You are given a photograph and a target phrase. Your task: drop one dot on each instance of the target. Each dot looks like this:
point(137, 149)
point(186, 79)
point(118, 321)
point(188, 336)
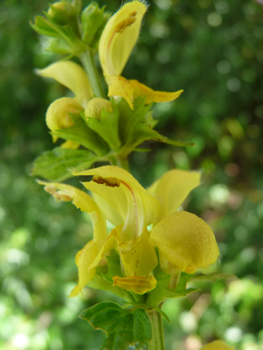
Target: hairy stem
point(87, 60)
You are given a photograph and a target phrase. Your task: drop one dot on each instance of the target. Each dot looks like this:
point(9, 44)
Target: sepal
point(99, 282)
point(114, 266)
point(129, 118)
point(93, 20)
point(65, 33)
point(106, 126)
point(59, 46)
point(163, 290)
point(63, 13)
point(144, 132)
point(82, 134)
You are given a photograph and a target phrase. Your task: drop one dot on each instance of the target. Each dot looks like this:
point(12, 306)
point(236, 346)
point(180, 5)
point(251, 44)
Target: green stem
point(157, 341)
point(87, 59)
point(123, 163)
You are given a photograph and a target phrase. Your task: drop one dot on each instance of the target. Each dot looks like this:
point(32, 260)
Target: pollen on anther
point(126, 23)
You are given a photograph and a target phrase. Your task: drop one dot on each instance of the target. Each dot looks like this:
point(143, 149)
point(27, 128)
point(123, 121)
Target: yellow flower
point(116, 43)
point(72, 76)
point(185, 241)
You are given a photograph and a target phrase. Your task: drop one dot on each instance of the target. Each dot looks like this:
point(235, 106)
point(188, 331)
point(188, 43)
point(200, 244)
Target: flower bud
point(58, 117)
point(93, 20)
point(96, 106)
point(61, 13)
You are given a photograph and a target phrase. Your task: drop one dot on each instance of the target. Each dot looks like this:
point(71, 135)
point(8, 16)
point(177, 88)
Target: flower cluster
point(67, 117)
point(152, 241)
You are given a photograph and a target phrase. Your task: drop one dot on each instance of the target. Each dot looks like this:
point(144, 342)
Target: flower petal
point(186, 241)
point(119, 37)
point(217, 345)
point(151, 95)
point(72, 76)
point(123, 192)
point(119, 86)
point(84, 258)
point(57, 116)
point(109, 244)
point(172, 189)
point(136, 284)
point(109, 212)
point(138, 256)
point(83, 201)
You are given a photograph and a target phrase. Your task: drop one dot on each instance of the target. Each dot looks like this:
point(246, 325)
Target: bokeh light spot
point(223, 67)
point(219, 194)
point(234, 84)
point(20, 341)
point(222, 6)
point(188, 321)
point(259, 111)
point(214, 19)
point(41, 244)
point(253, 131)
point(163, 4)
point(233, 334)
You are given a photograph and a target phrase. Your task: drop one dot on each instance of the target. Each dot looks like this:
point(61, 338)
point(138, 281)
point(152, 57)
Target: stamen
point(62, 196)
point(109, 181)
point(50, 189)
point(59, 195)
point(126, 23)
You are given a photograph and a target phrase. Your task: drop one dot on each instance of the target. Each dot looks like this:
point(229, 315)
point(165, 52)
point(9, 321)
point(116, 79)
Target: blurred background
point(213, 49)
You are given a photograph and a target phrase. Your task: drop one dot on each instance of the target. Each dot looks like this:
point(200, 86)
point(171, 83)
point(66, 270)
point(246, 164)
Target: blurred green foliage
point(214, 51)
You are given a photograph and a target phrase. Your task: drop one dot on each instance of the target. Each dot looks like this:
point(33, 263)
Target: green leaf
point(211, 277)
point(103, 316)
point(162, 290)
point(107, 127)
point(54, 165)
point(142, 325)
point(83, 135)
point(124, 327)
point(144, 132)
